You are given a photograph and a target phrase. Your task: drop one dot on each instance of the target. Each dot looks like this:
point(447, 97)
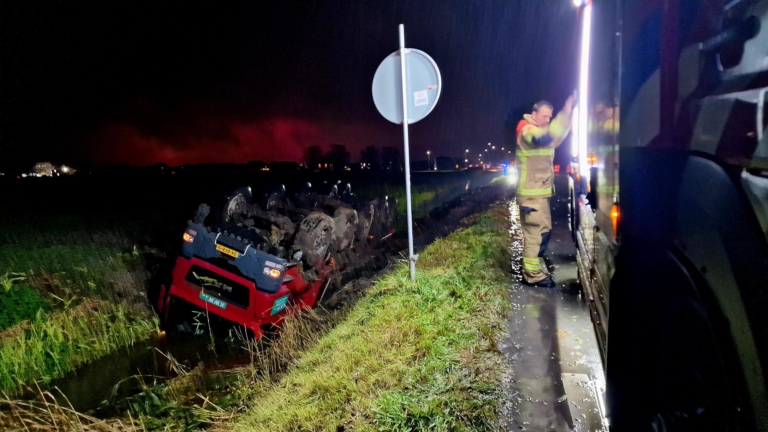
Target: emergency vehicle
point(669, 208)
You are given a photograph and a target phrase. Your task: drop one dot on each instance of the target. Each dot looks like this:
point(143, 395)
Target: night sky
point(142, 82)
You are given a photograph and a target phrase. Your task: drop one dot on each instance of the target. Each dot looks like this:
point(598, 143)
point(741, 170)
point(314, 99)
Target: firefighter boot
point(547, 282)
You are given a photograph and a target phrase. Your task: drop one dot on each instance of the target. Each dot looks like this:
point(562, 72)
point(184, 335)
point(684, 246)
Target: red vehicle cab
point(225, 276)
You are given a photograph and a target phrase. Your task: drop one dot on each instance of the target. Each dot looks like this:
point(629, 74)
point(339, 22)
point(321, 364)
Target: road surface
point(554, 380)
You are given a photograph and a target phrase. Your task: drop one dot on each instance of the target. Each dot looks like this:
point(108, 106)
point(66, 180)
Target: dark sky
point(142, 82)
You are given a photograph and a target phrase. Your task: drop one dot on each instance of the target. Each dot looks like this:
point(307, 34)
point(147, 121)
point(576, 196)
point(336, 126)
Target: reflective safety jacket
point(536, 152)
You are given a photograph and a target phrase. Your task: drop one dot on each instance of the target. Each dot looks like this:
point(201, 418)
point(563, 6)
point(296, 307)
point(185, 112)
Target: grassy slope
point(409, 356)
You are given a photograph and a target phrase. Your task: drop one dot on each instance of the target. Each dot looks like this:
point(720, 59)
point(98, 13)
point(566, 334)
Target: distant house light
point(43, 169)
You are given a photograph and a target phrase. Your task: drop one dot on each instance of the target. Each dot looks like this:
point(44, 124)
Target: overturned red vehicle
point(261, 259)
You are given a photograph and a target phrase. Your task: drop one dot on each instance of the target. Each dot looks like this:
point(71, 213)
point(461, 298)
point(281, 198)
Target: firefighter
point(538, 135)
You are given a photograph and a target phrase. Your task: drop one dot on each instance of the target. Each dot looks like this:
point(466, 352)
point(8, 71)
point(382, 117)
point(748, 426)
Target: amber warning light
point(615, 217)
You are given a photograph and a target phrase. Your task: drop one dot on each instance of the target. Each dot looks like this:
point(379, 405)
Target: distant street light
point(493, 148)
point(428, 165)
point(466, 158)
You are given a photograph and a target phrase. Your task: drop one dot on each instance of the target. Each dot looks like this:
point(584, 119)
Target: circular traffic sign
point(423, 86)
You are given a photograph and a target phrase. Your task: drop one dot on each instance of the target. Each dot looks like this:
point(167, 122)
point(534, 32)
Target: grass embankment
point(408, 356)
point(70, 293)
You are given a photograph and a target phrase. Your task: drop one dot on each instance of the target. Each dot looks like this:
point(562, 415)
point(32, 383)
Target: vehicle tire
point(668, 366)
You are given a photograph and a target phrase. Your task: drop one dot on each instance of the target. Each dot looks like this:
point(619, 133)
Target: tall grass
point(408, 356)
point(48, 415)
point(89, 263)
point(56, 343)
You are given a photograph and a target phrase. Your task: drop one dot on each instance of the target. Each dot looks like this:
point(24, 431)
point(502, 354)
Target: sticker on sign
point(421, 98)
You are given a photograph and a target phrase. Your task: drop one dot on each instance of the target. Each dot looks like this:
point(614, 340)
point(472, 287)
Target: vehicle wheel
point(668, 368)
point(692, 390)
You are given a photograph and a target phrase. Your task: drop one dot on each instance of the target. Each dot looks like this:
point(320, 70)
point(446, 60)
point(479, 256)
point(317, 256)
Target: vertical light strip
point(575, 132)
point(583, 107)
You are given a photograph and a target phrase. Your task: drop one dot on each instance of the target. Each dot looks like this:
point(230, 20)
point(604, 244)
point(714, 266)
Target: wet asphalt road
point(554, 371)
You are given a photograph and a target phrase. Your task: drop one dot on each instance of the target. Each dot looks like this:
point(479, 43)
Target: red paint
point(259, 310)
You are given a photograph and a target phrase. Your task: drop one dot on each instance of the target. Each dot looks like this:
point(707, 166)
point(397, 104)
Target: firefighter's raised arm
point(541, 132)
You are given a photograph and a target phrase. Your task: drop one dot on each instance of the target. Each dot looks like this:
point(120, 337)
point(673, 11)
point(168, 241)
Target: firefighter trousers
point(536, 221)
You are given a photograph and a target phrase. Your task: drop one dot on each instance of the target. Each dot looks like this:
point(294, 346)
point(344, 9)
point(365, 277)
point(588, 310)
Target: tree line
point(339, 156)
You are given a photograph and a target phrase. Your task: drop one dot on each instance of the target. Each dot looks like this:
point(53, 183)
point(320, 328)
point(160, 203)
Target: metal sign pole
point(422, 78)
point(411, 257)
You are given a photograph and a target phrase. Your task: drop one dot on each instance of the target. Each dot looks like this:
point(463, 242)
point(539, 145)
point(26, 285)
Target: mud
point(441, 221)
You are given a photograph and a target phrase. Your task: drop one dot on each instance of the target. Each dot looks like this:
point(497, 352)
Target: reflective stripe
point(521, 189)
point(522, 155)
point(536, 152)
point(531, 264)
point(535, 192)
point(608, 189)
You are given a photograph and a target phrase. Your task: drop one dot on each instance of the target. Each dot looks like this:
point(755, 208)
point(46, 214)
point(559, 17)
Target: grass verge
point(408, 356)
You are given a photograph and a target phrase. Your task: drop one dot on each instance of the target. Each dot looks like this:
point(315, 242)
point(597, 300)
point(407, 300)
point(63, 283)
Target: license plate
point(213, 300)
point(227, 251)
point(279, 305)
